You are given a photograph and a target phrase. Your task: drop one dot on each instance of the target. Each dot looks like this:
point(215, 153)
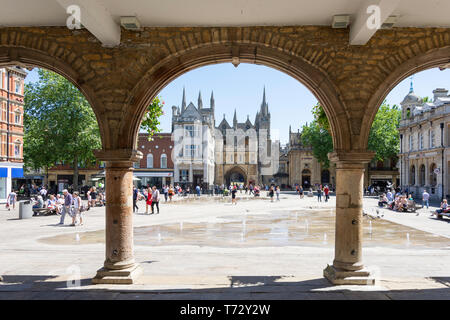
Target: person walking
point(271, 193)
point(135, 198)
point(11, 200)
point(277, 191)
point(425, 199)
point(197, 189)
point(319, 193)
point(76, 209)
point(300, 192)
point(166, 192)
point(155, 199)
point(326, 191)
point(171, 193)
point(233, 195)
point(93, 195)
point(43, 193)
point(68, 200)
point(148, 199)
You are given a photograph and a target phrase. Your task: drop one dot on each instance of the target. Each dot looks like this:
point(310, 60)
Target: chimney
point(439, 93)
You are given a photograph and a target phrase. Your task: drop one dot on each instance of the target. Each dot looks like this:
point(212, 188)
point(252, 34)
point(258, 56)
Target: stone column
point(119, 266)
point(347, 266)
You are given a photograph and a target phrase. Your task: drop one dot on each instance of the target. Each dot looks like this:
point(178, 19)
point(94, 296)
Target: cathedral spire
point(200, 102)
point(183, 102)
point(411, 89)
point(235, 119)
point(212, 100)
point(264, 105)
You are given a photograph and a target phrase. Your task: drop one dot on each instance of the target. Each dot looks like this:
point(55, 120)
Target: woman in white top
point(76, 208)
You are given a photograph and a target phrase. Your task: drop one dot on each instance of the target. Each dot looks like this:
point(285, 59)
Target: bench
point(43, 211)
point(441, 215)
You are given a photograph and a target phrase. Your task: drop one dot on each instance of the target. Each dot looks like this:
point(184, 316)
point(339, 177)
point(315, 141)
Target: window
point(190, 131)
point(190, 150)
point(17, 149)
point(150, 161)
point(411, 143)
point(1, 79)
point(17, 117)
point(163, 161)
point(422, 175)
point(412, 176)
point(183, 175)
point(433, 175)
point(17, 86)
point(421, 140)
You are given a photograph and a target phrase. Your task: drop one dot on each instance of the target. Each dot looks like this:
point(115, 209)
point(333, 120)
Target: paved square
point(210, 249)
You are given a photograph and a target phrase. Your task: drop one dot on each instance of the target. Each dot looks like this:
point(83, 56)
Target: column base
point(344, 277)
point(124, 276)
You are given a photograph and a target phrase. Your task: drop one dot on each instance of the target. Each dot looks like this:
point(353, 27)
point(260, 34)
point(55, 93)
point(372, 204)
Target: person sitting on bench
point(383, 200)
point(444, 208)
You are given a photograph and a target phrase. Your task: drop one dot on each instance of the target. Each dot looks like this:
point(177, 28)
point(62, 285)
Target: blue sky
point(289, 101)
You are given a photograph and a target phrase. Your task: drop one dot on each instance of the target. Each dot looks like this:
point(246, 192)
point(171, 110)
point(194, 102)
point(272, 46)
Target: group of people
point(397, 202)
point(151, 196)
point(320, 190)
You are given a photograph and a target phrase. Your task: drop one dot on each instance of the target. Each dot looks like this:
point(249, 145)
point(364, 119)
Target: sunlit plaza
point(207, 248)
point(224, 150)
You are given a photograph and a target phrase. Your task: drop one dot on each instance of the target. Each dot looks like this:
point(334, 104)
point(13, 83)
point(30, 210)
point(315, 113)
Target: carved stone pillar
point(347, 266)
point(120, 266)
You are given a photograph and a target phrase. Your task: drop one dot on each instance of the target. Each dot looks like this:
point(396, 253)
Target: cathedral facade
point(236, 153)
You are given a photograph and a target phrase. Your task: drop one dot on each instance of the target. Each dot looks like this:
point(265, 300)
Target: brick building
point(11, 127)
point(156, 165)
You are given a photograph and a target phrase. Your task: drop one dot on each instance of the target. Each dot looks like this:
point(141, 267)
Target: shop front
point(143, 179)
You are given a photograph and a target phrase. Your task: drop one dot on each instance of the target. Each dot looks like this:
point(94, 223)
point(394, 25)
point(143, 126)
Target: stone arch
point(236, 169)
point(11, 55)
point(430, 59)
point(313, 77)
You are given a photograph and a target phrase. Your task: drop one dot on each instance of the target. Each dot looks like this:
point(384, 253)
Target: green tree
point(150, 122)
point(383, 136)
point(319, 139)
point(59, 125)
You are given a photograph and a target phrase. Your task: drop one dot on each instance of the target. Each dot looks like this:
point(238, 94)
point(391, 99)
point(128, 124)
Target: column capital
point(118, 155)
point(351, 157)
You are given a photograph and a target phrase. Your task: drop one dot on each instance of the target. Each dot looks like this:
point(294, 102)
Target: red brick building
point(156, 166)
point(11, 127)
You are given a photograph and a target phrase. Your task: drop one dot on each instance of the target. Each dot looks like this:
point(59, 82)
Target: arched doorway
point(306, 179)
point(235, 176)
point(412, 176)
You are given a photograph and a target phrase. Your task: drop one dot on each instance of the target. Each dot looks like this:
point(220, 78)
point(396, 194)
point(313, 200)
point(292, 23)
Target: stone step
point(354, 281)
point(113, 280)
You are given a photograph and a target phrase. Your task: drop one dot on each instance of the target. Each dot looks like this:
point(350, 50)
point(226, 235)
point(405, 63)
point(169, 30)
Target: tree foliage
point(383, 137)
point(59, 124)
point(319, 139)
point(150, 123)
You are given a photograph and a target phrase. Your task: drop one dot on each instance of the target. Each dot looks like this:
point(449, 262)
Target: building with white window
point(424, 151)
point(207, 155)
point(11, 127)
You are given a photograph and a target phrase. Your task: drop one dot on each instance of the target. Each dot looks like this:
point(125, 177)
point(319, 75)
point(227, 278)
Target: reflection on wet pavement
point(312, 228)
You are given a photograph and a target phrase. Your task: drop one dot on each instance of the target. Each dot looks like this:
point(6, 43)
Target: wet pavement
point(278, 228)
